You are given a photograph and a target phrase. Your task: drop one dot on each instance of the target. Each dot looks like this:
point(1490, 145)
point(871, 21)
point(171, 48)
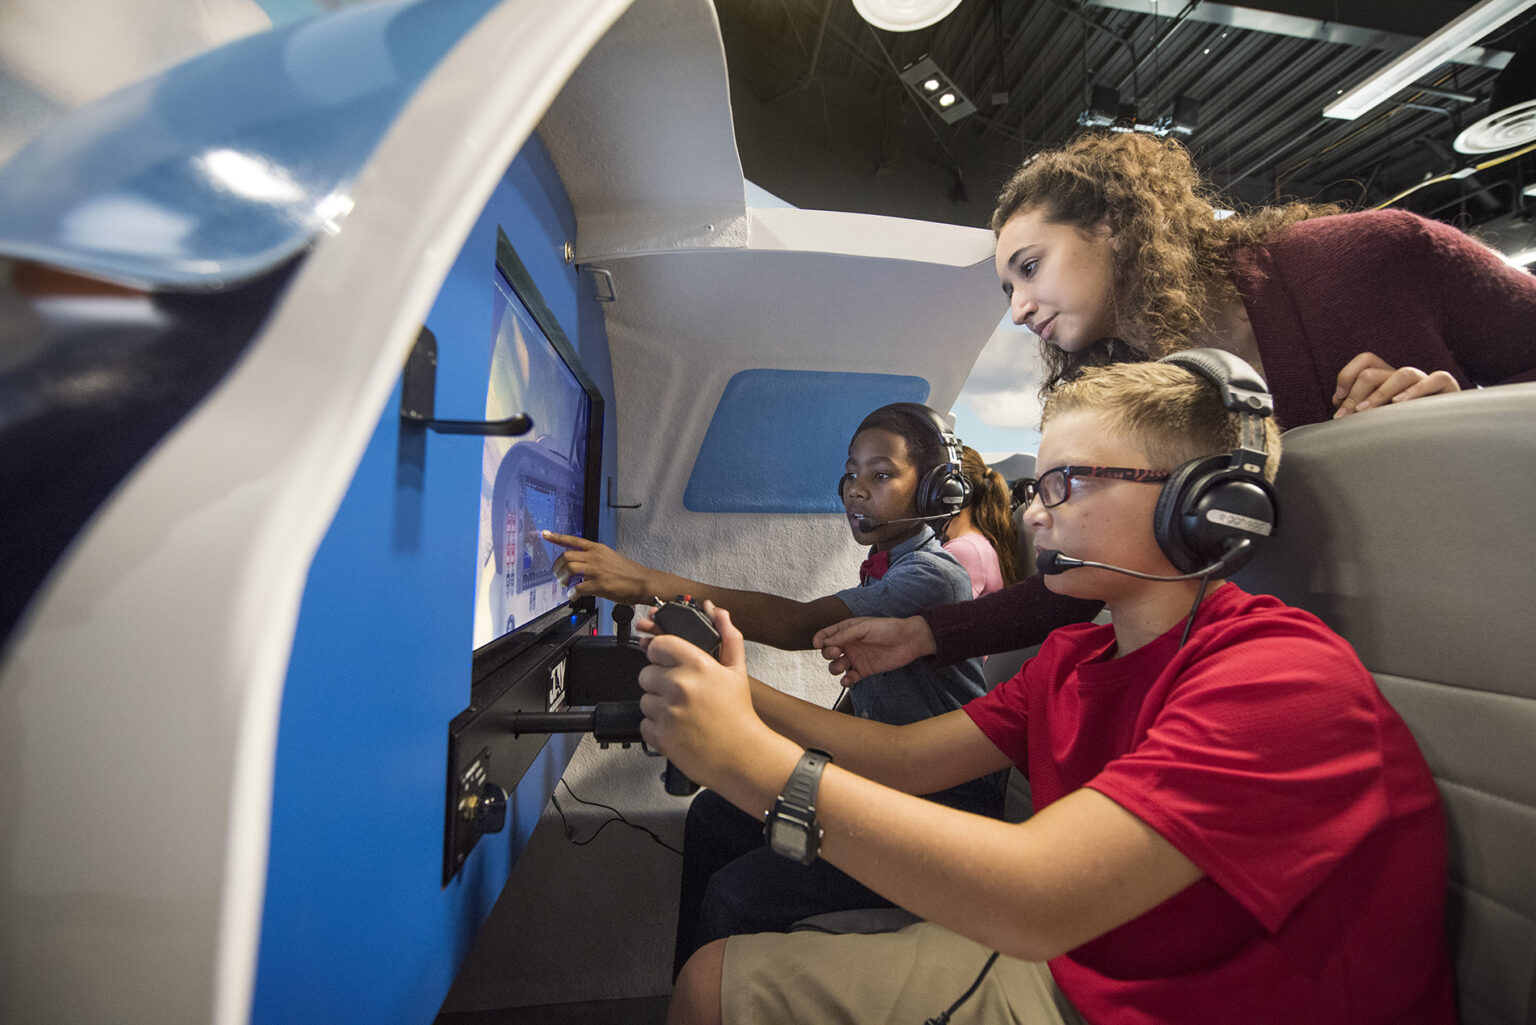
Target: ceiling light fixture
point(938, 91)
point(1434, 50)
point(1105, 110)
point(904, 15)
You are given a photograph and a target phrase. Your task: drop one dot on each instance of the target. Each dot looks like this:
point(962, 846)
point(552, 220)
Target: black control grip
point(683, 617)
point(676, 783)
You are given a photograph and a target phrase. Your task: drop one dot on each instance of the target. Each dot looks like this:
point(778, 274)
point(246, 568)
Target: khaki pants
point(903, 977)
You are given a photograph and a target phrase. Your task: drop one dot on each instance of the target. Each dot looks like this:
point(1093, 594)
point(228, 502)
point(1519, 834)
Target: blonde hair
point(991, 511)
point(1172, 414)
point(1173, 261)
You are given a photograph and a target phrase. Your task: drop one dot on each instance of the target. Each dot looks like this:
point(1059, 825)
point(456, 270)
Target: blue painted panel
point(779, 438)
point(357, 926)
point(225, 166)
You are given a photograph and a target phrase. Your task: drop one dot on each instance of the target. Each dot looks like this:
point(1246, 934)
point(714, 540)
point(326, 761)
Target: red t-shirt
point(1265, 753)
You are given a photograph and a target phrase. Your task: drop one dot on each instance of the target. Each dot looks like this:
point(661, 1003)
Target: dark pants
point(733, 883)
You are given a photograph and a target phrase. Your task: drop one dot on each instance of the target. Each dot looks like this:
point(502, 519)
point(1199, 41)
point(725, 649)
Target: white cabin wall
point(596, 922)
point(683, 324)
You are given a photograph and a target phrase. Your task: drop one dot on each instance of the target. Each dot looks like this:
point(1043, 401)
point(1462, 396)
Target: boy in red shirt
point(1232, 824)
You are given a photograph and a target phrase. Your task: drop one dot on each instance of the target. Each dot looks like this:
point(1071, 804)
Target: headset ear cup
point(1205, 507)
point(956, 492)
point(943, 490)
point(1167, 518)
point(1234, 506)
point(1210, 504)
point(960, 486)
point(923, 498)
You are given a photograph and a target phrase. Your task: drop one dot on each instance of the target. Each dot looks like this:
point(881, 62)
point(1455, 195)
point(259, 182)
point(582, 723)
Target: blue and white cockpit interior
point(248, 607)
point(301, 340)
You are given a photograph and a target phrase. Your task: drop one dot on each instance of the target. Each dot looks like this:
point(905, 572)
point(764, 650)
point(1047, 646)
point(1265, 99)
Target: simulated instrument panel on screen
point(530, 483)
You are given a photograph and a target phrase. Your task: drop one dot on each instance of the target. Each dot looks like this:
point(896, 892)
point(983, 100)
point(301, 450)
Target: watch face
point(788, 839)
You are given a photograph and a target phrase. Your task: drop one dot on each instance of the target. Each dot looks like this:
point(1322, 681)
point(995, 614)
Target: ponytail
point(991, 512)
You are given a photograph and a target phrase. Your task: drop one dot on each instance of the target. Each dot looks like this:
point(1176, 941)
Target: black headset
point(942, 490)
point(1211, 504)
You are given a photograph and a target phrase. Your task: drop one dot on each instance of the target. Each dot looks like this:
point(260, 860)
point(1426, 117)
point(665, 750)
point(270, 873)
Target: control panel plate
point(481, 747)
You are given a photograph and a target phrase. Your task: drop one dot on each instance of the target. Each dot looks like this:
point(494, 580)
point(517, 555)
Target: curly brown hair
point(1173, 263)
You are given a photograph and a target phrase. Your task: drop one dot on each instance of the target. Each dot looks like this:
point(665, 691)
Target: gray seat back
point(1012, 469)
point(1018, 804)
point(1409, 530)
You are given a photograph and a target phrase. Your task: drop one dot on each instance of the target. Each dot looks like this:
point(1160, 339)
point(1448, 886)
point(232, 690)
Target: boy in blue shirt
point(902, 473)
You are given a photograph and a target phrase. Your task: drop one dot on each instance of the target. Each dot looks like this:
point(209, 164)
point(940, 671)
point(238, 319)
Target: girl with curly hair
point(1110, 249)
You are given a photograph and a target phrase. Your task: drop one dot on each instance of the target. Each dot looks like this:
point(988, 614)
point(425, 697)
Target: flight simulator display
point(530, 483)
point(526, 623)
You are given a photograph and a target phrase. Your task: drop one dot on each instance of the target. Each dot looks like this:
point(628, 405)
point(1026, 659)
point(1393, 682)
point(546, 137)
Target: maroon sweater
point(1415, 292)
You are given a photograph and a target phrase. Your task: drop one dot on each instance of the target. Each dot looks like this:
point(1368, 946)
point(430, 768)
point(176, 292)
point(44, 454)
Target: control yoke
point(618, 722)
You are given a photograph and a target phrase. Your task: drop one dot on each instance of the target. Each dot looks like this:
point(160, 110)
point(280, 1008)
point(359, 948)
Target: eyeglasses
point(1054, 486)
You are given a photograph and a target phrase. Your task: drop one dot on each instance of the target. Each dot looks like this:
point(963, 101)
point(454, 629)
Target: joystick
point(683, 617)
point(618, 722)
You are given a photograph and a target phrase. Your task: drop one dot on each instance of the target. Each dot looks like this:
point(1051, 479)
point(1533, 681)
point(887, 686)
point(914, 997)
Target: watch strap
point(800, 790)
point(795, 810)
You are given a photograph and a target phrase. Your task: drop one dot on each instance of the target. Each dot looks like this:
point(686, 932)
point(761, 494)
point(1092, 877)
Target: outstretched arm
point(602, 572)
point(1016, 617)
point(867, 645)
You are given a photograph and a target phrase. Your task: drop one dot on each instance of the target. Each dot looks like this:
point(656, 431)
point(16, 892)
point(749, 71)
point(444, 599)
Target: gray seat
point(1409, 530)
point(1015, 468)
point(1018, 804)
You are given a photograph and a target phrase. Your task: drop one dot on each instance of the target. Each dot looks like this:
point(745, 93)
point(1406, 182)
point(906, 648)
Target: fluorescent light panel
point(1437, 48)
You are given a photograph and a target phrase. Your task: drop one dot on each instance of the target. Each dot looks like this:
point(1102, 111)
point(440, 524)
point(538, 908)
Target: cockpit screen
point(530, 483)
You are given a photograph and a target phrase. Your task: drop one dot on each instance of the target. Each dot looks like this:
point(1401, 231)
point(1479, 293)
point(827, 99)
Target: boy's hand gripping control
point(683, 617)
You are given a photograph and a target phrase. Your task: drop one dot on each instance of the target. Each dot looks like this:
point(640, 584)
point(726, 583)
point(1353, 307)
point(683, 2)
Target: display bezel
point(495, 653)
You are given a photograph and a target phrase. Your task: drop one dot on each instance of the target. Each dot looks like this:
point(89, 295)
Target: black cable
point(1111, 33)
point(1205, 582)
point(943, 1019)
point(618, 816)
point(1508, 30)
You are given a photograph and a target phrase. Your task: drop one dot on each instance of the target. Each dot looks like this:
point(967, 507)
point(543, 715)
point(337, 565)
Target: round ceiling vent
point(904, 15)
point(1504, 129)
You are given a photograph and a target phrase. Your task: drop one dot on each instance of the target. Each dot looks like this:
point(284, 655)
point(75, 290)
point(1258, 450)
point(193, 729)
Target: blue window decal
point(779, 438)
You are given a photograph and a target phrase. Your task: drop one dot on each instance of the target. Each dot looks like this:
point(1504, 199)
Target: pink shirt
point(976, 554)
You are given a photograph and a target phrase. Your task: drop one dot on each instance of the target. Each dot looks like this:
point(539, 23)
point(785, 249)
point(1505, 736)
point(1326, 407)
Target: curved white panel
point(169, 623)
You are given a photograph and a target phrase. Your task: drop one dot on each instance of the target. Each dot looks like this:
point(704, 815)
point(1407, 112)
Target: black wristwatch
point(792, 829)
